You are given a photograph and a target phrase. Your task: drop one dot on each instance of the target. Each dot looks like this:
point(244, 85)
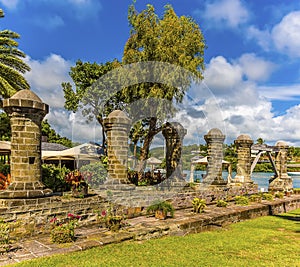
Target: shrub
point(63, 232)
point(241, 200)
point(94, 174)
point(255, 198)
point(198, 205)
point(279, 194)
point(53, 177)
point(4, 169)
point(6, 229)
point(267, 196)
point(221, 203)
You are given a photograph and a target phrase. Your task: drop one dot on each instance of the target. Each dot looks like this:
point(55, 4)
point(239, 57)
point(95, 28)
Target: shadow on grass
point(289, 217)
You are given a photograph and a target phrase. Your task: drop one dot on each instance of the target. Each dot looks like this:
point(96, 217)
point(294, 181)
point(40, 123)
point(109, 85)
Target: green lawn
point(266, 241)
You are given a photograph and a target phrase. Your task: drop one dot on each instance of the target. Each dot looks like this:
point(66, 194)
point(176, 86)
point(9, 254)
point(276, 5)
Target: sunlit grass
point(266, 241)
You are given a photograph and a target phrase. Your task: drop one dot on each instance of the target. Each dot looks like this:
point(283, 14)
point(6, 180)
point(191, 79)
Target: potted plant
point(161, 209)
point(78, 186)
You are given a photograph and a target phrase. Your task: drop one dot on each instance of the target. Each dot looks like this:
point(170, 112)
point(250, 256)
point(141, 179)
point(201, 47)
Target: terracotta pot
point(160, 214)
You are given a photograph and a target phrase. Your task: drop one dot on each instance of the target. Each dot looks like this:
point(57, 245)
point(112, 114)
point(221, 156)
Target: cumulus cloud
point(255, 68)
point(286, 34)
point(237, 105)
point(46, 76)
point(221, 75)
point(229, 13)
point(283, 37)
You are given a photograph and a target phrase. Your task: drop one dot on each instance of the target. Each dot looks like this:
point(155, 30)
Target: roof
point(53, 146)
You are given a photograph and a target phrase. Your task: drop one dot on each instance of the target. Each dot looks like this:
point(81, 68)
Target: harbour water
point(260, 178)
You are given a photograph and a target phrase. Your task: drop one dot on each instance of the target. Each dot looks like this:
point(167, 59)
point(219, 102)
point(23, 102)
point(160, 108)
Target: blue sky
point(252, 58)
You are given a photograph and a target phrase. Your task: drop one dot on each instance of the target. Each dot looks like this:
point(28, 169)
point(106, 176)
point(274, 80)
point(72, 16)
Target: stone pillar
point(117, 126)
point(214, 139)
point(243, 144)
point(173, 134)
point(26, 111)
point(281, 181)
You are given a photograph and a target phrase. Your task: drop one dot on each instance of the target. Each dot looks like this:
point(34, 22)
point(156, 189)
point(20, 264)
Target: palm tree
point(12, 66)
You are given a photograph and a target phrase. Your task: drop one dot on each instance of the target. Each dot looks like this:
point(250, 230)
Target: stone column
point(281, 181)
point(173, 134)
point(214, 139)
point(26, 111)
point(243, 144)
point(117, 126)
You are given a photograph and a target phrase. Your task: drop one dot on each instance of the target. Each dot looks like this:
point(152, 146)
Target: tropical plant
point(53, 177)
point(198, 205)
point(64, 231)
point(241, 200)
point(112, 219)
point(94, 174)
point(161, 206)
point(78, 185)
point(267, 196)
point(12, 67)
point(221, 203)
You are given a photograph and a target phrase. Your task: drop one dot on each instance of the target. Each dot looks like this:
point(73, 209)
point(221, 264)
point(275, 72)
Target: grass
point(265, 241)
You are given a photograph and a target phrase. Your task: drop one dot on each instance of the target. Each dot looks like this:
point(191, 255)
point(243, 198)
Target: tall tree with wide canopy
point(171, 39)
point(12, 67)
point(84, 75)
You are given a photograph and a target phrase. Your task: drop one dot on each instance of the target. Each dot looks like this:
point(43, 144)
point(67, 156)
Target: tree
point(12, 66)
point(84, 75)
point(5, 131)
point(172, 39)
point(52, 136)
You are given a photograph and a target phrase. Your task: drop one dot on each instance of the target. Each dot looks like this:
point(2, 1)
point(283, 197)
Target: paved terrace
point(145, 227)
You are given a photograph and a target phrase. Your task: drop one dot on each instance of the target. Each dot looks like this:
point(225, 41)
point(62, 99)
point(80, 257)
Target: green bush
point(198, 205)
point(255, 198)
point(94, 174)
point(4, 169)
point(279, 194)
point(241, 200)
point(53, 177)
point(267, 196)
point(221, 203)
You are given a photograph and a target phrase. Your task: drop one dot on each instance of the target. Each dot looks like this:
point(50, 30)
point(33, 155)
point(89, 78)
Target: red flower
point(103, 213)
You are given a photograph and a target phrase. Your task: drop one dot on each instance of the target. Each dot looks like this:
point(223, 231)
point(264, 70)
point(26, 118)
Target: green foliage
point(241, 200)
point(5, 129)
point(4, 168)
point(94, 174)
point(279, 194)
point(54, 137)
point(255, 198)
point(64, 231)
point(172, 39)
point(221, 203)
point(263, 167)
point(164, 206)
point(12, 67)
point(53, 177)
point(6, 230)
point(111, 219)
point(198, 205)
point(267, 196)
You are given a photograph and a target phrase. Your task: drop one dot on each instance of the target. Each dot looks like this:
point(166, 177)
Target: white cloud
point(221, 75)
point(255, 68)
point(226, 12)
point(238, 105)
point(11, 4)
point(263, 38)
point(46, 76)
point(49, 22)
point(282, 92)
point(286, 34)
